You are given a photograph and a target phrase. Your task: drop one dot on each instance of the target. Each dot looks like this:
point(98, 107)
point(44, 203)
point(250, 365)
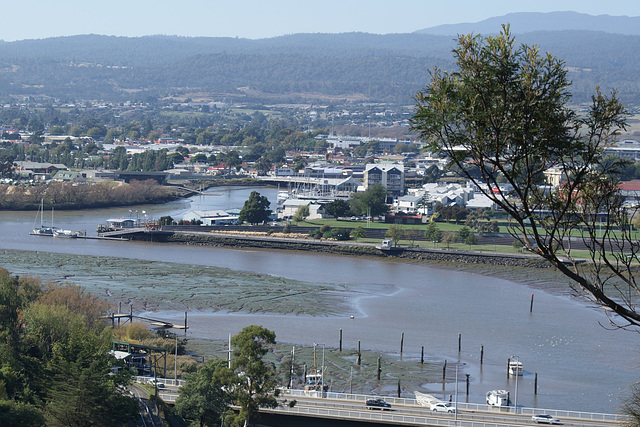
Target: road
point(410, 414)
point(149, 416)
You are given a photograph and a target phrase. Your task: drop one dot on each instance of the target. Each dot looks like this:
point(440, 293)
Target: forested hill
point(300, 67)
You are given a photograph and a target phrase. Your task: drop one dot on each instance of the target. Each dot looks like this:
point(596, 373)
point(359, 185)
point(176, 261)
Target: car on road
point(377, 403)
point(545, 419)
point(157, 383)
point(443, 407)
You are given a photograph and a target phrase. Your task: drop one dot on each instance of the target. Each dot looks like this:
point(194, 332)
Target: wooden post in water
point(359, 360)
point(340, 339)
point(119, 311)
point(401, 342)
point(185, 323)
point(535, 383)
point(398, 388)
point(481, 354)
point(459, 342)
point(379, 369)
point(467, 384)
point(422, 356)
point(531, 305)
point(508, 363)
point(444, 372)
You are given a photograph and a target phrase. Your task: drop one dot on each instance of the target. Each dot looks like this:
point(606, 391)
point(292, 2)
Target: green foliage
point(371, 201)
point(256, 386)
point(255, 209)
point(432, 233)
point(301, 213)
point(396, 233)
point(205, 396)
point(337, 234)
point(464, 233)
point(54, 358)
point(358, 233)
point(337, 208)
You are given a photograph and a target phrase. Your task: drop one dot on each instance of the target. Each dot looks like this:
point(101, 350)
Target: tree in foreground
point(205, 396)
point(255, 209)
point(257, 381)
point(503, 116)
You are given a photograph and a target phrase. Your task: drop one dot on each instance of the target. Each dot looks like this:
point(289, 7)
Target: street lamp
point(517, 359)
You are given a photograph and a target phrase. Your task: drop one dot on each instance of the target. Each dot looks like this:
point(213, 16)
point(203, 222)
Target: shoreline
point(216, 239)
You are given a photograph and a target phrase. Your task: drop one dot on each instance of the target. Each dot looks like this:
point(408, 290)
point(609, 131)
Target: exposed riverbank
point(237, 240)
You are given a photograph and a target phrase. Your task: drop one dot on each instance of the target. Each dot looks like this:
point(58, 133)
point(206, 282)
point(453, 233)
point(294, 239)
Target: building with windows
point(391, 175)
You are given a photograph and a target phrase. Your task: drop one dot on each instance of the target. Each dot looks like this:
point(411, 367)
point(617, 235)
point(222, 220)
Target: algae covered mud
point(308, 298)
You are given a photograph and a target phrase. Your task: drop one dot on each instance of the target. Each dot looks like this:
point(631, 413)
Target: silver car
point(544, 418)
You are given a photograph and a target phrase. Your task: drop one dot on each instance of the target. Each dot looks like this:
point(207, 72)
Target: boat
point(42, 230)
point(58, 232)
point(424, 399)
point(314, 382)
point(515, 368)
point(498, 398)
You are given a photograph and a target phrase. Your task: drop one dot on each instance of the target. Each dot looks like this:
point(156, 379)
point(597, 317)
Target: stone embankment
point(301, 242)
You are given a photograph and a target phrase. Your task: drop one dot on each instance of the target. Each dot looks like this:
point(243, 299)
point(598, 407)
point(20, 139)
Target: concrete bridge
point(345, 409)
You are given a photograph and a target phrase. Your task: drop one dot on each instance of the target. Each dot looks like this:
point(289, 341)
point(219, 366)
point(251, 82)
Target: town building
point(391, 175)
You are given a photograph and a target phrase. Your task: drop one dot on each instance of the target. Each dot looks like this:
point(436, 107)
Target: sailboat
point(43, 230)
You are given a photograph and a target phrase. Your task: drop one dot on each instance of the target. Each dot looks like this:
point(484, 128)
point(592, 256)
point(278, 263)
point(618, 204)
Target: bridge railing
point(563, 414)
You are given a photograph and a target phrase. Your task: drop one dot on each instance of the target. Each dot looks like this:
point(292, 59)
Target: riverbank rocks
point(285, 242)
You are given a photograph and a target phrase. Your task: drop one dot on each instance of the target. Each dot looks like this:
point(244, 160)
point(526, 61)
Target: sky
point(256, 19)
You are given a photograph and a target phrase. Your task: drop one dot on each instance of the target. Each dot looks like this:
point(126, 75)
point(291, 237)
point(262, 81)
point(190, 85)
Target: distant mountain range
point(310, 68)
point(527, 22)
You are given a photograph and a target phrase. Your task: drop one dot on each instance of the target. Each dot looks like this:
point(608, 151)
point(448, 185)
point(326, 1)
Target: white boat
point(515, 368)
point(66, 233)
point(314, 381)
point(498, 398)
point(43, 230)
point(424, 399)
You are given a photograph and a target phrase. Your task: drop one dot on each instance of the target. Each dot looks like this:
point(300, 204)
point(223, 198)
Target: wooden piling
point(508, 363)
point(444, 372)
point(422, 356)
point(379, 369)
point(185, 323)
point(398, 388)
point(401, 342)
point(467, 384)
point(459, 342)
point(359, 359)
point(535, 383)
point(481, 354)
point(341, 340)
point(531, 305)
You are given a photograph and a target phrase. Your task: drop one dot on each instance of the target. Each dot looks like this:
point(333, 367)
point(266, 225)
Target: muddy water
point(307, 298)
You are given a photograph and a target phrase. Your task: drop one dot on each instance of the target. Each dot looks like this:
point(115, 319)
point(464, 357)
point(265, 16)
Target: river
point(581, 365)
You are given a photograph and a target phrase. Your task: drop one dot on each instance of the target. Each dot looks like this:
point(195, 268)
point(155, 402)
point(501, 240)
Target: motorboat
point(424, 399)
point(498, 398)
point(515, 368)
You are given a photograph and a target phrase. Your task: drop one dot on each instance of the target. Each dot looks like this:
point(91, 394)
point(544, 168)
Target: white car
point(544, 418)
point(443, 407)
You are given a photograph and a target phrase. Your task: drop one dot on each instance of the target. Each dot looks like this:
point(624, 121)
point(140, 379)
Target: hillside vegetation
point(309, 67)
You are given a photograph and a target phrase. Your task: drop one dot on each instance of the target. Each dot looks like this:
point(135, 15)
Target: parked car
point(545, 418)
point(443, 407)
point(377, 403)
